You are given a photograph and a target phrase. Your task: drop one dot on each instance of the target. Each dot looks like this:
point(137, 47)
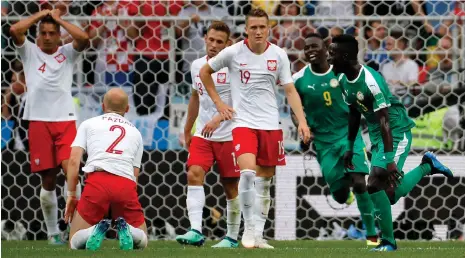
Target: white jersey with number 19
point(112, 144)
point(253, 83)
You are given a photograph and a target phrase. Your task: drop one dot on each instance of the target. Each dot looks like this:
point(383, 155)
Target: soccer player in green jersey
point(327, 116)
point(389, 127)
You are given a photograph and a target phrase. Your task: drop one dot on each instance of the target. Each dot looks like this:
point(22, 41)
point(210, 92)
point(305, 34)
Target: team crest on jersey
point(272, 65)
point(360, 96)
point(221, 77)
point(333, 83)
point(60, 58)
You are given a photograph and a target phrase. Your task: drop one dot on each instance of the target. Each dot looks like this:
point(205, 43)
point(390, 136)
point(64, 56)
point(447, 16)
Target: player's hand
point(225, 111)
point(56, 14)
point(187, 139)
point(71, 204)
point(210, 127)
point(394, 174)
point(348, 155)
point(304, 132)
point(44, 12)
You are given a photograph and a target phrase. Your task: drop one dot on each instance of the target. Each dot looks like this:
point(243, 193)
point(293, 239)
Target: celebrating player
point(390, 134)
point(49, 107)
point(218, 147)
point(255, 66)
point(114, 147)
point(327, 115)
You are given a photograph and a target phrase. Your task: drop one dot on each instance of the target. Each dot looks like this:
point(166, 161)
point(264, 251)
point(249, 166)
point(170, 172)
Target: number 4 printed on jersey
point(42, 68)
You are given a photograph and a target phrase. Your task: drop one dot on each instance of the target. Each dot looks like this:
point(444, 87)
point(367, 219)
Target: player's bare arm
point(136, 173)
point(72, 179)
point(296, 104)
point(211, 126)
point(206, 76)
point(192, 113)
point(19, 29)
point(354, 125)
point(81, 39)
point(383, 118)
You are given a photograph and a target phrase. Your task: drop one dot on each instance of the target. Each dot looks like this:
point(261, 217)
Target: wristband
point(351, 145)
point(71, 193)
point(389, 157)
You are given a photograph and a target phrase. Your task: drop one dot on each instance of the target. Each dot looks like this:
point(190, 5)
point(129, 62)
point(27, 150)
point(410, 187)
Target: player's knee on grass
point(230, 186)
point(358, 183)
point(195, 175)
point(341, 195)
point(49, 178)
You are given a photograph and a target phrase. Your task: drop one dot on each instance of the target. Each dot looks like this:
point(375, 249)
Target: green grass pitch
point(289, 249)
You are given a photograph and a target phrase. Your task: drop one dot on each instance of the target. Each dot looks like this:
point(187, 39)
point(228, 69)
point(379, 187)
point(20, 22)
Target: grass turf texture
point(289, 249)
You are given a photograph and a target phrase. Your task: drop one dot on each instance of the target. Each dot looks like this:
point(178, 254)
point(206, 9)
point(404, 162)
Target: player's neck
point(320, 68)
point(353, 71)
point(258, 48)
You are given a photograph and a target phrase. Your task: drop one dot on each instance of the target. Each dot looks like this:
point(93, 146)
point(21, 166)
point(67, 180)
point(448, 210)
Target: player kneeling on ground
point(114, 148)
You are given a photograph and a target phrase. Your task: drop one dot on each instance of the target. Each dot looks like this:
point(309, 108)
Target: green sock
point(365, 206)
point(383, 207)
point(410, 180)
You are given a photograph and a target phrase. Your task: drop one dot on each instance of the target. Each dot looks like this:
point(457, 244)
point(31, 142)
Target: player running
point(49, 107)
point(203, 151)
point(255, 66)
point(389, 127)
point(327, 115)
point(114, 148)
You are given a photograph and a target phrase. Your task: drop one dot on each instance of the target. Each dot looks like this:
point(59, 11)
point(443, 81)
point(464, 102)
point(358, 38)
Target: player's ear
point(103, 108)
point(229, 43)
point(127, 109)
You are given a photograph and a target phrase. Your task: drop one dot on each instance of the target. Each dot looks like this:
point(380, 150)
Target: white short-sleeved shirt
point(48, 80)
point(112, 144)
point(405, 71)
point(207, 109)
point(253, 82)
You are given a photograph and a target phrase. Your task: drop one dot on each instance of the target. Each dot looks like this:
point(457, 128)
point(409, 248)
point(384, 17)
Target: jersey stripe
point(375, 89)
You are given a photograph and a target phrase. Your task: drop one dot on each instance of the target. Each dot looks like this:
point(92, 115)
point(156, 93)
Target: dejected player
point(114, 152)
point(216, 147)
point(49, 107)
point(327, 116)
point(389, 127)
point(255, 67)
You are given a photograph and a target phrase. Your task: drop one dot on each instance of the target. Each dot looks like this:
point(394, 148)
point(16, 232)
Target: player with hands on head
point(327, 115)
point(114, 152)
point(49, 108)
point(255, 67)
point(208, 146)
point(389, 126)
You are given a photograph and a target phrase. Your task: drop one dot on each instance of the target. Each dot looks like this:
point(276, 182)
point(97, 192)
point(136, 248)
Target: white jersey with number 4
point(112, 144)
point(207, 109)
point(253, 83)
point(48, 81)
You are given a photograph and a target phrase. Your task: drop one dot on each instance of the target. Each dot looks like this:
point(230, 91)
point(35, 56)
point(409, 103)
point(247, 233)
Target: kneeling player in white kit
point(217, 146)
point(114, 147)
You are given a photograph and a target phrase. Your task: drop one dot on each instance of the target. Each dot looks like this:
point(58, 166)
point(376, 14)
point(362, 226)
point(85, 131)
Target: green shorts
point(402, 143)
point(332, 163)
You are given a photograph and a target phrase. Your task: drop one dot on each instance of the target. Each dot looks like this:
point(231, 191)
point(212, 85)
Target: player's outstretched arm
point(72, 180)
point(19, 29)
point(296, 105)
point(80, 37)
point(192, 114)
point(206, 76)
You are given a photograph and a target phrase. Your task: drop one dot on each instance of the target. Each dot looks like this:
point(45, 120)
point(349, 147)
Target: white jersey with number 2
point(253, 83)
point(112, 144)
point(48, 82)
point(207, 109)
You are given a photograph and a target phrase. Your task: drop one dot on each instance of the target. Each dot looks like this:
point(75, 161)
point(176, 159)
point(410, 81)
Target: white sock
point(233, 217)
point(49, 205)
point(78, 191)
point(195, 202)
point(139, 237)
point(262, 204)
point(247, 196)
point(79, 239)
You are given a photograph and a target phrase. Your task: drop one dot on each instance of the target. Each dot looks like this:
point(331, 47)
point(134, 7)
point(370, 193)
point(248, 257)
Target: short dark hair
point(50, 20)
point(349, 44)
point(314, 35)
point(399, 36)
point(220, 26)
point(256, 12)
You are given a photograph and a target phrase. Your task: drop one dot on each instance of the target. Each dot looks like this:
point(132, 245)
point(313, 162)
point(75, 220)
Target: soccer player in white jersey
point(255, 67)
point(217, 146)
point(49, 107)
point(114, 152)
